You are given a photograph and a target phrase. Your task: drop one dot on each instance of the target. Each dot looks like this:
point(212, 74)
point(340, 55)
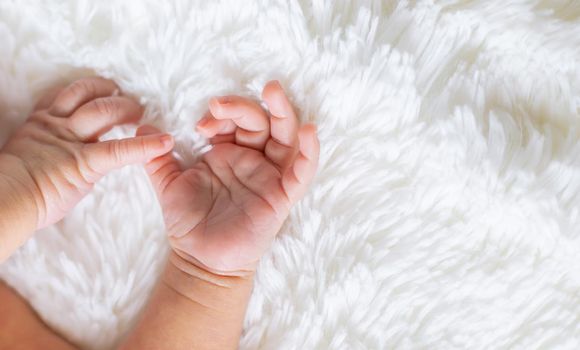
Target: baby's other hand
point(56, 157)
point(224, 212)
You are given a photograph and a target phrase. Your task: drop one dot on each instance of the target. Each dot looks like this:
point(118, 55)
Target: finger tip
point(313, 128)
point(277, 101)
point(271, 89)
point(146, 130)
point(309, 131)
point(139, 131)
point(203, 122)
point(167, 141)
point(273, 85)
point(204, 131)
point(214, 105)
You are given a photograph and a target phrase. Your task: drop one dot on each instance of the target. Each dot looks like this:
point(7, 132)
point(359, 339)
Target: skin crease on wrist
point(192, 308)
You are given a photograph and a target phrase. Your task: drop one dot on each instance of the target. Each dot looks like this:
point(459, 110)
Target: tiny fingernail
point(214, 103)
point(202, 123)
point(166, 140)
point(223, 99)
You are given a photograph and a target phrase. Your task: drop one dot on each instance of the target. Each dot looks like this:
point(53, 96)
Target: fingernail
point(203, 122)
point(166, 140)
point(223, 99)
point(214, 104)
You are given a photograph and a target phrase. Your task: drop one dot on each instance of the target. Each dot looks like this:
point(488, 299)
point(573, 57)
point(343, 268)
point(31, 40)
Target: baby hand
point(224, 212)
point(55, 157)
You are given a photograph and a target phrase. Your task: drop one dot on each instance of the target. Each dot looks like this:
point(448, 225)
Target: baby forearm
point(21, 328)
point(193, 309)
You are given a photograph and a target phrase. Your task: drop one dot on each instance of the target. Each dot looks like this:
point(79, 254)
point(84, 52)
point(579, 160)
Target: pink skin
point(223, 212)
point(55, 158)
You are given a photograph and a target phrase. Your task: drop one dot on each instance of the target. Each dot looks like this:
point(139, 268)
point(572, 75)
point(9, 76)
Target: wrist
point(192, 308)
point(18, 210)
point(205, 287)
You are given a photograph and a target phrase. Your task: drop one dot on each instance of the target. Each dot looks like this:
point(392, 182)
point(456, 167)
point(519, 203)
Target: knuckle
point(76, 88)
point(38, 116)
point(76, 128)
point(85, 154)
point(85, 165)
point(142, 146)
point(106, 106)
point(72, 124)
point(44, 121)
point(115, 150)
point(79, 88)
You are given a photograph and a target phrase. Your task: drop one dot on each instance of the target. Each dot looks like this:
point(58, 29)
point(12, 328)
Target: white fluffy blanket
point(446, 213)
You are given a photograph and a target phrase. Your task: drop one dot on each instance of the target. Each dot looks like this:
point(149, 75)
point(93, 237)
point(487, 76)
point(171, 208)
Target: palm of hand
point(223, 213)
point(217, 211)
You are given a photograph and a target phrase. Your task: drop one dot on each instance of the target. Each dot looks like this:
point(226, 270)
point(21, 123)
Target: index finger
point(80, 92)
point(284, 123)
point(282, 148)
point(253, 126)
point(245, 113)
point(48, 98)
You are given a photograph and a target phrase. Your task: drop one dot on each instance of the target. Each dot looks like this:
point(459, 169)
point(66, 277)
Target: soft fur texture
point(446, 212)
